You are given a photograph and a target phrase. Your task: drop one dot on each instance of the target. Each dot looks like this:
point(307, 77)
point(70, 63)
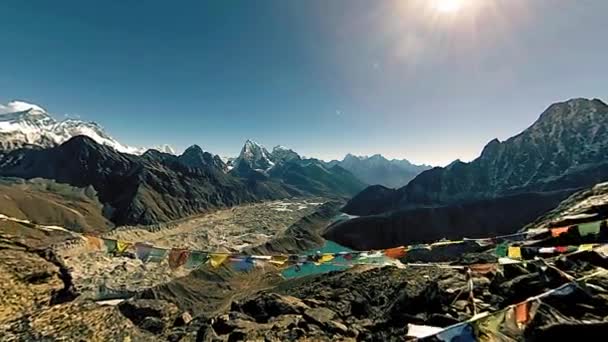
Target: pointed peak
point(194, 149)
point(250, 142)
point(281, 148)
point(166, 148)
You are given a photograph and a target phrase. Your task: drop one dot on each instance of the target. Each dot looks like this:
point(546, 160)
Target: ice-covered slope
point(26, 124)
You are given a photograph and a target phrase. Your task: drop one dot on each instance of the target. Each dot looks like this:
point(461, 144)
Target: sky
point(427, 80)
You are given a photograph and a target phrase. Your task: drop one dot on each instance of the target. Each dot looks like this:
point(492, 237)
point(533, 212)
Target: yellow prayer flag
point(279, 259)
point(122, 246)
point(325, 258)
point(514, 252)
point(586, 247)
point(217, 259)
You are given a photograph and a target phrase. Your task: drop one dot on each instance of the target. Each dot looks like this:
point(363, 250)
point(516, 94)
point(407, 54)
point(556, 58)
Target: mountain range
point(563, 151)
point(307, 174)
point(24, 124)
point(377, 170)
point(158, 187)
point(34, 126)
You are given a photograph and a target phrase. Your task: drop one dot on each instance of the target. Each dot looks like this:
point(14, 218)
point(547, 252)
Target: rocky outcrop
point(377, 304)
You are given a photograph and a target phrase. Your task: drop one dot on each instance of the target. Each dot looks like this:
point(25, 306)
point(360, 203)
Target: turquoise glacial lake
point(310, 269)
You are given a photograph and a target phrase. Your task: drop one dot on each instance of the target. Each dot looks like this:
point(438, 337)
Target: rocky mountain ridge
point(569, 138)
point(285, 165)
point(159, 187)
point(155, 187)
point(511, 183)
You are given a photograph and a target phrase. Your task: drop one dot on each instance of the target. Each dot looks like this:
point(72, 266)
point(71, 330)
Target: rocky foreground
point(44, 300)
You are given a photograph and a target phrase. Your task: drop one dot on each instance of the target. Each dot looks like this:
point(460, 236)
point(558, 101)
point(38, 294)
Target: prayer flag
point(461, 332)
point(122, 246)
point(501, 250)
point(217, 259)
point(522, 313)
point(546, 250)
point(178, 257)
point(514, 252)
point(325, 258)
point(483, 268)
point(591, 228)
point(586, 247)
point(395, 253)
point(94, 243)
point(142, 251)
point(555, 232)
point(157, 254)
point(243, 264)
point(279, 259)
point(110, 245)
point(196, 259)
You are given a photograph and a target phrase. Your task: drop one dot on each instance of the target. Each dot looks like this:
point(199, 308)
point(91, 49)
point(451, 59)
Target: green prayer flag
point(501, 250)
point(196, 259)
point(110, 245)
point(157, 255)
point(591, 228)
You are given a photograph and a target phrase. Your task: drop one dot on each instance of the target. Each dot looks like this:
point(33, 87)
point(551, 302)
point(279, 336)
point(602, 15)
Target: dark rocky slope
point(155, 187)
point(474, 219)
point(509, 185)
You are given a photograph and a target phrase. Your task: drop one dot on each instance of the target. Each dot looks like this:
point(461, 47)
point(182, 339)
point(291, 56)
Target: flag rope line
point(319, 258)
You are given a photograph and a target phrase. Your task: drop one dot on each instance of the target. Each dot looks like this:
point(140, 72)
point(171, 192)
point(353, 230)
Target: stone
point(184, 319)
point(321, 316)
point(337, 327)
point(272, 304)
point(138, 309)
point(154, 325)
point(460, 305)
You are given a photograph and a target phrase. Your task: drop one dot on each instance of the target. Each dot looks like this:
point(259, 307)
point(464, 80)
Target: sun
point(448, 6)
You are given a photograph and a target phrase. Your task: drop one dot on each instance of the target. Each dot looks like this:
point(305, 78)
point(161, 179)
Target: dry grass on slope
point(50, 203)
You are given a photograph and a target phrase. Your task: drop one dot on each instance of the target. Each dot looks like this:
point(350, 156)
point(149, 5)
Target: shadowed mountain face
point(510, 184)
point(153, 188)
point(569, 138)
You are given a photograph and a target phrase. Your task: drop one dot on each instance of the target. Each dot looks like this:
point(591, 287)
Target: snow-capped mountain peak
point(27, 124)
point(165, 148)
point(255, 156)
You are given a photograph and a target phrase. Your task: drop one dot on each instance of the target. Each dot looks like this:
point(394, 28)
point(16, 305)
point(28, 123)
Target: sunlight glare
point(448, 6)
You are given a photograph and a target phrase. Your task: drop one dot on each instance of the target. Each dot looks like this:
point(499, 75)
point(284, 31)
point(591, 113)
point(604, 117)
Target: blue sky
point(408, 79)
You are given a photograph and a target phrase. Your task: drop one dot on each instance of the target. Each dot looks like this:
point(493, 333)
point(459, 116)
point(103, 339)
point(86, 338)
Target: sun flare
point(448, 6)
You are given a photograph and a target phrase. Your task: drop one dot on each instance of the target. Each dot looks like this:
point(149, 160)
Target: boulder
point(138, 310)
point(320, 316)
